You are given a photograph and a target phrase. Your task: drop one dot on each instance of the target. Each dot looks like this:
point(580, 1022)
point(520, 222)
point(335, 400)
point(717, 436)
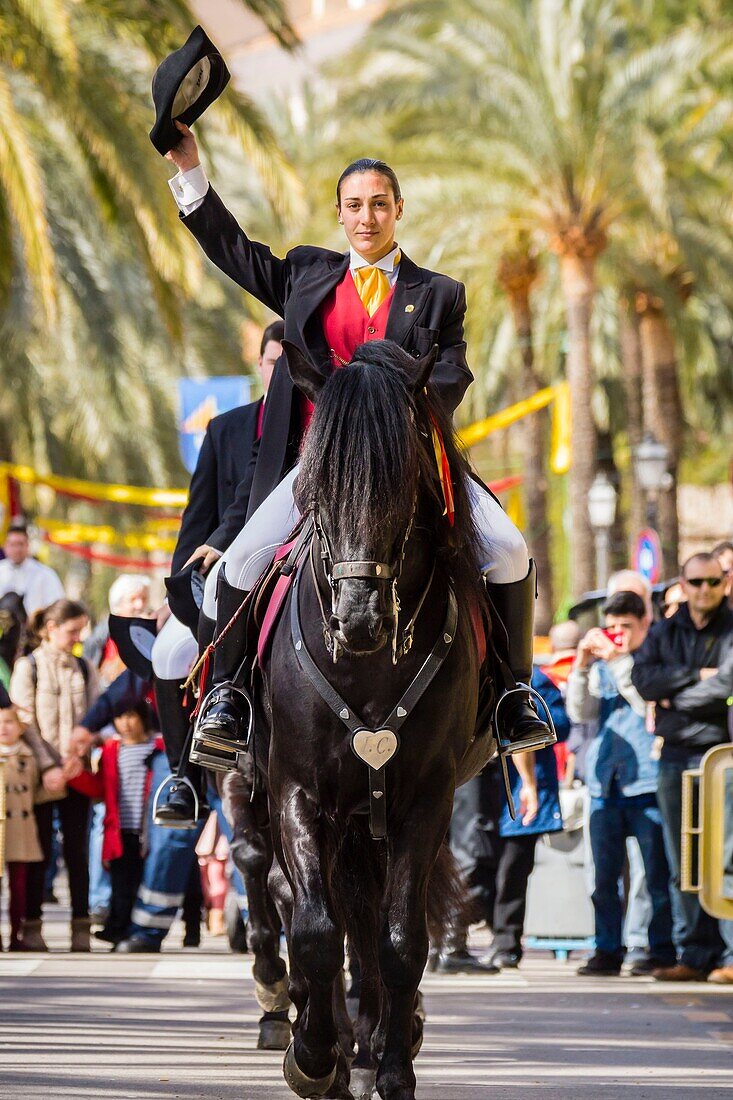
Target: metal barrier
point(706, 865)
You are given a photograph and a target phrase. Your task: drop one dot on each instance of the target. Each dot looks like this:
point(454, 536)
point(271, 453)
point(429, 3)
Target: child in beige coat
point(20, 775)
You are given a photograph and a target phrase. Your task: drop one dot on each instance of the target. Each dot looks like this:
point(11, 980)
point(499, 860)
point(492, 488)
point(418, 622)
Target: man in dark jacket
point(680, 653)
point(224, 471)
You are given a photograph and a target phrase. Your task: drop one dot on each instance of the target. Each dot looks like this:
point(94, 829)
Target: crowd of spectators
point(636, 700)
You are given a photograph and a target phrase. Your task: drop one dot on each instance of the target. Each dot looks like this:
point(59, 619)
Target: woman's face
point(65, 636)
point(369, 213)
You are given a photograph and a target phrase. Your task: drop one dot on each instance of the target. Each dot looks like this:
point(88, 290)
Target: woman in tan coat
point(52, 690)
point(20, 774)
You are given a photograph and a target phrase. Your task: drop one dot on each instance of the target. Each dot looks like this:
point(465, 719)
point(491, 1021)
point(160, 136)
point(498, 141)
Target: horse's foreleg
point(251, 850)
point(403, 947)
point(316, 943)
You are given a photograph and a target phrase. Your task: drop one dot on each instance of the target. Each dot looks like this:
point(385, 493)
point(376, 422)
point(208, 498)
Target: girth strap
point(373, 745)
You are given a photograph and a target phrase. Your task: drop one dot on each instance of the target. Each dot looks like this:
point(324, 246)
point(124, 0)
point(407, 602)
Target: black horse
point(393, 589)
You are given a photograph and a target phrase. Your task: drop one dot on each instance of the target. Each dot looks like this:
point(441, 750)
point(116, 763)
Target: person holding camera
point(621, 773)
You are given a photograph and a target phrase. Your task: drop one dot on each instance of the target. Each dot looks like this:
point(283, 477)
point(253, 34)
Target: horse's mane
point(369, 439)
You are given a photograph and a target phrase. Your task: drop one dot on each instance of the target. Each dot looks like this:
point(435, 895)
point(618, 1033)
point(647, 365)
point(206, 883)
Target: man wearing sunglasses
point(677, 668)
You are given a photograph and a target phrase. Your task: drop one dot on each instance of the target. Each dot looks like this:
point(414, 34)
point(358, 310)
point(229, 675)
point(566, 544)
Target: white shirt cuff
point(189, 189)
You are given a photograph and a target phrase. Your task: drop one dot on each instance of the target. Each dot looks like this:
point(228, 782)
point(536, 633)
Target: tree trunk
point(662, 414)
point(534, 456)
point(631, 371)
point(578, 282)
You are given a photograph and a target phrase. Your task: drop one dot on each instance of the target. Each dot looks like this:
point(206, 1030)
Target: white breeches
point(175, 651)
point(504, 552)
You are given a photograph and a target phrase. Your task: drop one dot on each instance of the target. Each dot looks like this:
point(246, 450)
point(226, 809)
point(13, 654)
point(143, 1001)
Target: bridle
point(385, 572)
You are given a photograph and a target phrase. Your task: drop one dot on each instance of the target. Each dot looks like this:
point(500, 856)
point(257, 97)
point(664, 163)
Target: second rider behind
point(331, 302)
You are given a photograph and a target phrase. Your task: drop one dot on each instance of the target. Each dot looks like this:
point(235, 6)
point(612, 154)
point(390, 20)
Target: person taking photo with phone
point(679, 668)
point(621, 773)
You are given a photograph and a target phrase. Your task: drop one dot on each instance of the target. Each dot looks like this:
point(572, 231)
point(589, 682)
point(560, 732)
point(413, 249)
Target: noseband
point(386, 572)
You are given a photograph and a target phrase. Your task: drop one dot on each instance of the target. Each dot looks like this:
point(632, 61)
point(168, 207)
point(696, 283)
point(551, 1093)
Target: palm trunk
point(631, 371)
point(663, 416)
point(534, 451)
point(578, 282)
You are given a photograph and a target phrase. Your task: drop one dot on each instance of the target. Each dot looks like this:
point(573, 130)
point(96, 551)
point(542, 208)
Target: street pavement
point(182, 1026)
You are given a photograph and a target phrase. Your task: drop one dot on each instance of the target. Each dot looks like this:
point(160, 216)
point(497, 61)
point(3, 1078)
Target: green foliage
point(104, 298)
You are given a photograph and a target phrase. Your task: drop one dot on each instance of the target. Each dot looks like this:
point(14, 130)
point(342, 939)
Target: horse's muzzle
point(361, 635)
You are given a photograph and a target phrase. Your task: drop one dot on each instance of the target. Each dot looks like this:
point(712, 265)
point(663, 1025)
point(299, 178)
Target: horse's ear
point(303, 373)
point(424, 368)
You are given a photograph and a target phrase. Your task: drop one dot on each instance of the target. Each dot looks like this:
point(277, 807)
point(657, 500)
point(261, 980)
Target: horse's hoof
point(363, 1083)
point(306, 1087)
point(274, 1035)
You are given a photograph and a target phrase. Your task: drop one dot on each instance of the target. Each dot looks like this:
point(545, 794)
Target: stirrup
point(166, 823)
point(509, 748)
point(532, 741)
point(216, 760)
point(208, 734)
point(212, 749)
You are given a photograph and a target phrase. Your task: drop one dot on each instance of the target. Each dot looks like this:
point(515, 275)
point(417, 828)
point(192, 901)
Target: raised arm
point(248, 263)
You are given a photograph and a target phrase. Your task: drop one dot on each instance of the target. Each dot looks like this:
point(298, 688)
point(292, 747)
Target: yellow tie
point(372, 285)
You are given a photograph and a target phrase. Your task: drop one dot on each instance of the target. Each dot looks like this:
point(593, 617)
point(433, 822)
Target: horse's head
point(360, 477)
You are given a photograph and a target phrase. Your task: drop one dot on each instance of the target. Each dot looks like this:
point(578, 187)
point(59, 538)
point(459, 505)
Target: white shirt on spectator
point(38, 584)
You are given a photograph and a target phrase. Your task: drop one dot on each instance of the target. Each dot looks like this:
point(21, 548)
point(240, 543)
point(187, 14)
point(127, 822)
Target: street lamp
point(602, 512)
point(651, 458)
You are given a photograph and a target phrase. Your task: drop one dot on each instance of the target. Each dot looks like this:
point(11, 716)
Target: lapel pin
point(409, 309)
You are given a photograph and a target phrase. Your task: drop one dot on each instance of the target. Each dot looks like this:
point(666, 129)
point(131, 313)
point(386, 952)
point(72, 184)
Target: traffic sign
point(648, 555)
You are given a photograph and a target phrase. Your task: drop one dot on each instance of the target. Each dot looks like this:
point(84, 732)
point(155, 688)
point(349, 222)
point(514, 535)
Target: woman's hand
point(53, 780)
point(185, 155)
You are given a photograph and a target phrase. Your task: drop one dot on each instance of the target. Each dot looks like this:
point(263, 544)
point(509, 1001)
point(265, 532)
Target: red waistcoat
point(346, 324)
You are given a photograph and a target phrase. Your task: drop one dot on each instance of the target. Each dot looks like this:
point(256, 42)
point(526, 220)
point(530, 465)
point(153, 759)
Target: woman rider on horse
point(331, 302)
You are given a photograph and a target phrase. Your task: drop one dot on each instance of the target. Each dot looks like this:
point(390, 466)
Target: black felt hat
point(184, 85)
point(134, 639)
point(186, 595)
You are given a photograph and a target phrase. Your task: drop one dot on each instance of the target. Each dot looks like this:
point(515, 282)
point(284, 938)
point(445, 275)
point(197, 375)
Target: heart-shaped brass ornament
point(375, 747)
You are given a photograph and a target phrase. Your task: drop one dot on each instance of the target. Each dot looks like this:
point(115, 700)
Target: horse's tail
point(357, 886)
point(447, 897)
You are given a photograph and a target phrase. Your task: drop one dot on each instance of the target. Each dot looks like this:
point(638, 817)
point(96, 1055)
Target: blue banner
point(200, 401)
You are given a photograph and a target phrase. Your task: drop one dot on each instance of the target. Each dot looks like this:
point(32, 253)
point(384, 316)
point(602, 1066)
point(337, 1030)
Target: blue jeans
point(100, 887)
point(612, 820)
point(705, 942)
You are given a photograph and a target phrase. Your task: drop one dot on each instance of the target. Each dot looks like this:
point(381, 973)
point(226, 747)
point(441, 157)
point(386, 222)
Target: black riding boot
point(176, 806)
point(520, 727)
point(223, 726)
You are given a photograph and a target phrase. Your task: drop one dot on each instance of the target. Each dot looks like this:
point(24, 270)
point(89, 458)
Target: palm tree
point(84, 68)
point(97, 282)
point(541, 104)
